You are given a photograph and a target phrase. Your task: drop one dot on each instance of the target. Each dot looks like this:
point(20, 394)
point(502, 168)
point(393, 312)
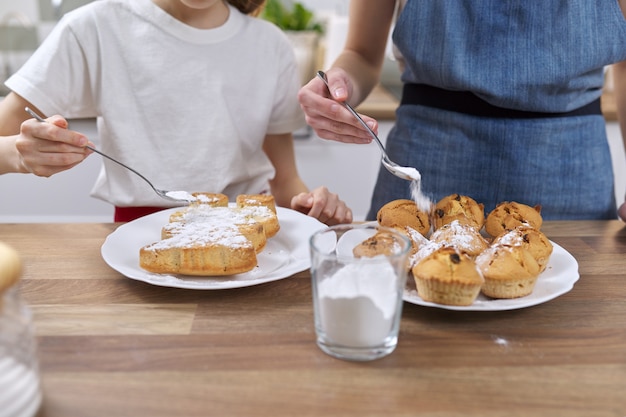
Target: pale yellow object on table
point(10, 267)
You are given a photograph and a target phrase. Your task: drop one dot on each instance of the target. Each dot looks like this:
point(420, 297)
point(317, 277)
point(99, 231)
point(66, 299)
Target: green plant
point(296, 18)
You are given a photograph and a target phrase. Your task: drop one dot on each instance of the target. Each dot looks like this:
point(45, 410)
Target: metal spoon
point(179, 196)
point(406, 173)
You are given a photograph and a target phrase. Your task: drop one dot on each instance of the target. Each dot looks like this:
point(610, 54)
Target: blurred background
point(65, 196)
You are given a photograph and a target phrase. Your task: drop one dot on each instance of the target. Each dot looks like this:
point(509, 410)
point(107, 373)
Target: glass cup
point(358, 273)
point(20, 390)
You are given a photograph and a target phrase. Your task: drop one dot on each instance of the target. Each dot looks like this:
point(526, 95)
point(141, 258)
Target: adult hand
point(622, 212)
point(48, 148)
point(323, 205)
point(327, 116)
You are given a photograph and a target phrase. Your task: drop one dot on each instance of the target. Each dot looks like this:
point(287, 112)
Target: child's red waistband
point(127, 214)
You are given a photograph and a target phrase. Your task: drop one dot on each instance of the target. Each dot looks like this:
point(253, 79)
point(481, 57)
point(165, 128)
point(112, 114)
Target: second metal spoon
point(406, 173)
point(180, 196)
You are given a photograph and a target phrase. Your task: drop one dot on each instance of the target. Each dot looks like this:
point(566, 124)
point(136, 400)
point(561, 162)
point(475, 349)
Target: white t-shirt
point(188, 108)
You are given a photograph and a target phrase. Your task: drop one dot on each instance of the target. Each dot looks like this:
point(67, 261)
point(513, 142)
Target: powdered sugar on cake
point(202, 225)
point(230, 215)
point(202, 233)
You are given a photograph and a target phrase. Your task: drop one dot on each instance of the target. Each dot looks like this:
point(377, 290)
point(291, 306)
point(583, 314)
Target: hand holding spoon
point(180, 196)
point(406, 173)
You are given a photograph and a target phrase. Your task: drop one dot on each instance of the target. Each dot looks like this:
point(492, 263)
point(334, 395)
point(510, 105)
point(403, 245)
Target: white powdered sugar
point(205, 225)
point(459, 235)
point(181, 195)
point(486, 256)
point(221, 215)
point(201, 234)
point(510, 238)
point(425, 250)
point(421, 201)
point(409, 172)
point(416, 237)
point(205, 199)
point(464, 238)
point(20, 393)
point(357, 304)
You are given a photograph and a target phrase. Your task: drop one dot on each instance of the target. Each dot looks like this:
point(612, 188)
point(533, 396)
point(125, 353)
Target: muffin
point(425, 250)
point(448, 277)
point(399, 214)
point(466, 238)
point(508, 215)
point(509, 271)
point(382, 243)
point(532, 239)
point(417, 240)
point(458, 207)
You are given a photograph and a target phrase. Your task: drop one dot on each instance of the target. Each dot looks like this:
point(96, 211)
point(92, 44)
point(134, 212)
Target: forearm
point(284, 191)
point(286, 182)
point(364, 77)
point(619, 81)
point(290, 191)
point(364, 52)
point(9, 157)
point(12, 115)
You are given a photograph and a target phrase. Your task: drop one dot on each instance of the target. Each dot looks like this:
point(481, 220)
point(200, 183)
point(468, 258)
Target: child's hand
point(323, 205)
point(48, 148)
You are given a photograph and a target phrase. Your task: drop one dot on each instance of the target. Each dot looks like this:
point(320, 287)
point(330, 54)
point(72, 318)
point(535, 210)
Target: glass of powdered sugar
point(20, 389)
point(358, 273)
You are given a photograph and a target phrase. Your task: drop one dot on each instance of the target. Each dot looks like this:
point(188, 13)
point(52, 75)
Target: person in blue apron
point(501, 100)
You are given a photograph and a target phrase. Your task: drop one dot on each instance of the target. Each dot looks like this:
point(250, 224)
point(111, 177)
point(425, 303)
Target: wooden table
point(112, 346)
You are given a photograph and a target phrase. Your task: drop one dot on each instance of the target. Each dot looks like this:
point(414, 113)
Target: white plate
point(558, 278)
point(283, 255)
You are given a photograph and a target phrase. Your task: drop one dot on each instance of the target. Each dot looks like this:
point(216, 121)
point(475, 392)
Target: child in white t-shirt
point(197, 95)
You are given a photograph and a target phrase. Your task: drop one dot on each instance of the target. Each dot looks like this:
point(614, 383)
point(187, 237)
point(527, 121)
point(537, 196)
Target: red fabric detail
point(127, 214)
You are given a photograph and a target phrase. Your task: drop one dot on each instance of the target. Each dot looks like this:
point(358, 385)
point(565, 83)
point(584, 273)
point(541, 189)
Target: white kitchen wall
point(323, 6)
point(18, 37)
point(28, 7)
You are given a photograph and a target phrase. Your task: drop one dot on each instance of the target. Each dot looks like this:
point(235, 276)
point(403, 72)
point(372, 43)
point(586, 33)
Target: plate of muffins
point(464, 259)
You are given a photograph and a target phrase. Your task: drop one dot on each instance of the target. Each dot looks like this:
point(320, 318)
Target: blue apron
point(522, 55)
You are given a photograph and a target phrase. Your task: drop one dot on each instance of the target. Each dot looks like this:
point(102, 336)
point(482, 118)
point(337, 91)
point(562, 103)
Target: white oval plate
point(284, 254)
point(558, 278)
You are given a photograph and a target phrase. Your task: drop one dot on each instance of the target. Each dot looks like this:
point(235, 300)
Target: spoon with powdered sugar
point(179, 196)
point(406, 173)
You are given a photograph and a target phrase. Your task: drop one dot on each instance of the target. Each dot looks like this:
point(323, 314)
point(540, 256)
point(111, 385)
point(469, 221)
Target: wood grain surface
point(112, 346)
